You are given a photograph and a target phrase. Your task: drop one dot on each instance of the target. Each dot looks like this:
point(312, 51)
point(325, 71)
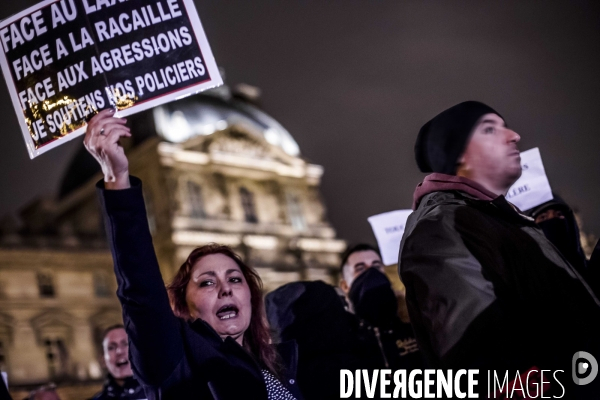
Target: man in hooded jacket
point(557, 220)
point(328, 338)
point(485, 288)
point(374, 302)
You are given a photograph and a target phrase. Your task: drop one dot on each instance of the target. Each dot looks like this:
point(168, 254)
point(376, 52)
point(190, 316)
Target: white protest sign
point(63, 61)
point(388, 229)
point(532, 188)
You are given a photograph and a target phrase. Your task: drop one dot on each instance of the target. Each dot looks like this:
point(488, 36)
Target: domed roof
point(216, 110)
point(178, 121)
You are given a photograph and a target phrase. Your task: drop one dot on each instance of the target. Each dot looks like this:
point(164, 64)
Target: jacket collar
point(437, 182)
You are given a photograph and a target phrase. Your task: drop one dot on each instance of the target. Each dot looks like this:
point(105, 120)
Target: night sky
point(354, 81)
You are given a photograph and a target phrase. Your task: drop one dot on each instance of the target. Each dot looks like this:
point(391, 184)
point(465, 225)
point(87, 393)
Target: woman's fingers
point(114, 132)
point(98, 118)
point(101, 127)
point(102, 137)
point(104, 129)
point(108, 140)
point(102, 142)
point(98, 126)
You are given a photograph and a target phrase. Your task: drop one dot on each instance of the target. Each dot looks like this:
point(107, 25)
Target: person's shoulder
point(441, 207)
point(442, 201)
point(436, 207)
point(440, 217)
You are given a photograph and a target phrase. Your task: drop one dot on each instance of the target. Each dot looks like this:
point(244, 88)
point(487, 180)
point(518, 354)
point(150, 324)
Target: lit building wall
point(214, 169)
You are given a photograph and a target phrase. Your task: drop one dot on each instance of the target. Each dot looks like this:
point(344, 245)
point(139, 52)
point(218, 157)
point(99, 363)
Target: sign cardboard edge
point(10, 83)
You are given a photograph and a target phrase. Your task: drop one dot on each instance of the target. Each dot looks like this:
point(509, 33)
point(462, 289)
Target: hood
point(557, 202)
point(311, 313)
point(437, 182)
point(564, 234)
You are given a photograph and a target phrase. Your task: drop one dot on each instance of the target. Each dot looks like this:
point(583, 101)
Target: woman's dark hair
point(257, 338)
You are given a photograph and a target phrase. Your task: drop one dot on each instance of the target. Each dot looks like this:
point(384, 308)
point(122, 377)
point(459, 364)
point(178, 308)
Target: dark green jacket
point(485, 288)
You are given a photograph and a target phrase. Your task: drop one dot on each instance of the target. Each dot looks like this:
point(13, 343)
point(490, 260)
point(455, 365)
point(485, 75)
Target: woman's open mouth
point(121, 363)
point(227, 312)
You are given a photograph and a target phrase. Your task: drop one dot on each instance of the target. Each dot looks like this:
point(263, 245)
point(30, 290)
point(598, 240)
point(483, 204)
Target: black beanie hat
point(443, 140)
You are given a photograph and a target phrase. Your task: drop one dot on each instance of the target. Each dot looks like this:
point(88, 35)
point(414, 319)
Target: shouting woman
point(206, 336)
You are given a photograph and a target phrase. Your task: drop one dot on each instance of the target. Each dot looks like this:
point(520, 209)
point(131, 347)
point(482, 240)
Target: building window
point(45, 284)
point(101, 285)
point(295, 212)
point(56, 355)
point(248, 205)
point(195, 199)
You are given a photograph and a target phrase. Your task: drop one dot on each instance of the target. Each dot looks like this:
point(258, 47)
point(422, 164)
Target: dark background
point(354, 81)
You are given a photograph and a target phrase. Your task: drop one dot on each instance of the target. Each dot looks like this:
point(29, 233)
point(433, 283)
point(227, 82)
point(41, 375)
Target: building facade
point(215, 168)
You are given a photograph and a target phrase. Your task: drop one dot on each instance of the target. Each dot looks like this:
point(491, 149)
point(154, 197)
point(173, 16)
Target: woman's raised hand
point(102, 141)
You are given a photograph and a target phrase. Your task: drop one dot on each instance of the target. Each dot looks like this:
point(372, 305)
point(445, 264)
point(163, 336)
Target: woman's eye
point(206, 283)
point(235, 280)
point(489, 129)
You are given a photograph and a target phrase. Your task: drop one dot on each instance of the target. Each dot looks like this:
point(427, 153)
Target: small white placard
point(532, 188)
point(388, 229)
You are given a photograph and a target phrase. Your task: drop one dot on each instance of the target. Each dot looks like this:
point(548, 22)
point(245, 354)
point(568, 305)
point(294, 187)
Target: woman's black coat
point(172, 358)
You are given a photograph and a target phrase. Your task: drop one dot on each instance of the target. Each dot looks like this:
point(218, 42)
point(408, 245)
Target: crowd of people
point(487, 286)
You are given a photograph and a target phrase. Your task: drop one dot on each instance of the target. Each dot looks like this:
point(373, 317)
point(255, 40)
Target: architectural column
point(27, 357)
point(84, 356)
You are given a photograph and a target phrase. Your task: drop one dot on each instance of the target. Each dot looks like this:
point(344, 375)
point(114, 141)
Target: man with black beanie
point(485, 289)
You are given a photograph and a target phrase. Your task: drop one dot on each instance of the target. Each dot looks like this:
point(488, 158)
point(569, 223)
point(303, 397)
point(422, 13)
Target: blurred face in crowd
point(548, 215)
point(357, 263)
point(219, 294)
point(492, 157)
point(116, 353)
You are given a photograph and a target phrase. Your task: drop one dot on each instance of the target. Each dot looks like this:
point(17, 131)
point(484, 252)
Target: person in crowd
point(120, 383)
point(557, 221)
point(373, 300)
point(594, 269)
point(207, 337)
point(46, 392)
point(4, 394)
point(328, 338)
point(485, 288)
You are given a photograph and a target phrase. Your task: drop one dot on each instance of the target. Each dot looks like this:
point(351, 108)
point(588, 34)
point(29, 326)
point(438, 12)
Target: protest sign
point(388, 229)
point(63, 61)
point(532, 188)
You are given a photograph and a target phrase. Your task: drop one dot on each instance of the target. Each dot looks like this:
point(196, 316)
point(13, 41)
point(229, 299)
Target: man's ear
point(344, 286)
point(461, 167)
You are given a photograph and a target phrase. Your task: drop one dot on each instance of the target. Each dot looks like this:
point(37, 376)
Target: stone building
point(215, 168)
